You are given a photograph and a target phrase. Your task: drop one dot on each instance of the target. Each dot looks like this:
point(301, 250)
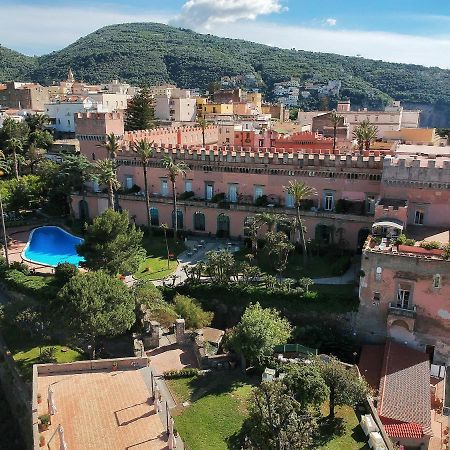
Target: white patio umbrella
point(171, 426)
point(172, 442)
point(63, 444)
point(51, 401)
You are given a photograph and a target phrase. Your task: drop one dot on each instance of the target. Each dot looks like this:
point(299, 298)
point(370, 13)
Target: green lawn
point(26, 351)
point(155, 266)
point(352, 438)
point(217, 412)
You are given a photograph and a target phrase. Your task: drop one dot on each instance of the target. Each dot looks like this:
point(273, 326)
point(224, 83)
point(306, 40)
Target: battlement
point(266, 156)
point(99, 124)
point(418, 170)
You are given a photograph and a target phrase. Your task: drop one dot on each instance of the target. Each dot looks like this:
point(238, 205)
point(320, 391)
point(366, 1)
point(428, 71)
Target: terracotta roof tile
point(404, 430)
point(371, 363)
point(405, 386)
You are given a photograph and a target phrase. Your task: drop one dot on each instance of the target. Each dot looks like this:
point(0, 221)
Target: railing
point(404, 312)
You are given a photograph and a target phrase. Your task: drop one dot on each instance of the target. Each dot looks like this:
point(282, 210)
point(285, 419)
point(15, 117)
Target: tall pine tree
point(140, 112)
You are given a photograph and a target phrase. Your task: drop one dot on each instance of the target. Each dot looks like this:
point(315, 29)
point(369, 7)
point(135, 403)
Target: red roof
point(404, 430)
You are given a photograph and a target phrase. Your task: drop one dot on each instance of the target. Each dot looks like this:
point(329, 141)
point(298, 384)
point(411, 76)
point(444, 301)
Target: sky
point(407, 31)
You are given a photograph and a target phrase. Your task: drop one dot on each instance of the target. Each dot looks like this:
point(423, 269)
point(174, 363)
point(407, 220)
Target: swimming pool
point(51, 245)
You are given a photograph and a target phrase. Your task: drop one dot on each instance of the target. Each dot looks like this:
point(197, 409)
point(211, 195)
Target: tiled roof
point(371, 363)
point(405, 387)
point(404, 430)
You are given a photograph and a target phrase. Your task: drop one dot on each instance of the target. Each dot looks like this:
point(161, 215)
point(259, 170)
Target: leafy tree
point(220, 266)
point(144, 150)
point(112, 244)
point(150, 300)
point(259, 330)
point(190, 310)
point(277, 420)
point(37, 121)
point(64, 272)
point(271, 220)
point(252, 229)
point(346, 387)
point(174, 170)
point(95, 304)
point(75, 171)
point(306, 384)
point(279, 246)
point(140, 113)
point(306, 283)
point(13, 139)
point(104, 172)
point(300, 191)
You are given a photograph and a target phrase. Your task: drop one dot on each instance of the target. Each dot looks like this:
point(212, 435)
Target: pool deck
point(19, 238)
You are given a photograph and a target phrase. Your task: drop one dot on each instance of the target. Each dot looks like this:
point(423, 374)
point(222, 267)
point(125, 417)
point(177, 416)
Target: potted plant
point(39, 398)
point(44, 422)
point(41, 440)
point(175, 432)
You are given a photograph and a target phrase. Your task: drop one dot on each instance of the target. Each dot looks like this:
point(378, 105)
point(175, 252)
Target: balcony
point(403, 312)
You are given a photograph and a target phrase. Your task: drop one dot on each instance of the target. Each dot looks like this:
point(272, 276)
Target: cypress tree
point(140, 113)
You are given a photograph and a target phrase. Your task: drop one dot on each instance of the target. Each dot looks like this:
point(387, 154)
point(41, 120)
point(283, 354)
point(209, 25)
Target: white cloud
point(393, 47)
point(331, 22)
point(39, 29)
point(204, 14)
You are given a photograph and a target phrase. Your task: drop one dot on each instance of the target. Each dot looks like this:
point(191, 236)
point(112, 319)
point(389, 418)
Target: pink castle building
point(404, 290)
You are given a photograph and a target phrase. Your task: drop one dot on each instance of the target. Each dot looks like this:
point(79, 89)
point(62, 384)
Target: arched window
point(223, 225)
point(154, 217)
point(199, 221)
point(323, 234)
point(180, 223)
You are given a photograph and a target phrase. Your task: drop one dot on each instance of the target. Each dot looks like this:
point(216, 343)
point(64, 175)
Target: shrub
point(220, 196)
point(191, 311)
point(186, 195)
point(64, 272)
point(430, 245)
point(446, 249)
point(262, 201)
point(20, 266)
point(403, 240)
point(182, 373)
point(44, 419)
point(48, 355)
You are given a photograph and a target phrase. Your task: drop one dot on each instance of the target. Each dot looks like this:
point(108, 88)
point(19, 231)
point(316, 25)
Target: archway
point(223, 225)
point(322, 234)
point(199, 221)
point(154, 217)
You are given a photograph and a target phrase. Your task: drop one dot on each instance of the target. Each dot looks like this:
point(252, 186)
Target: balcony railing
point(404, 312)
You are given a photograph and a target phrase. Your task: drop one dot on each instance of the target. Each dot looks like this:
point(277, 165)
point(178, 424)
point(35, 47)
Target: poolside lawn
point(155, 266)
point(26, 350)
point(218, 410)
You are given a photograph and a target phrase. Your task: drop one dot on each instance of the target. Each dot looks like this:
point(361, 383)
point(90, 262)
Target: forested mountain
point(151, 53)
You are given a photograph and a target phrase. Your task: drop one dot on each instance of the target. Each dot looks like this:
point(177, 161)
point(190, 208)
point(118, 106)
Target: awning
point(387, 223)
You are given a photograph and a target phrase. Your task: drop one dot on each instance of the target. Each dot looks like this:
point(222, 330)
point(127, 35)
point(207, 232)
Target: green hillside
point(151, 53)
point(15, 66)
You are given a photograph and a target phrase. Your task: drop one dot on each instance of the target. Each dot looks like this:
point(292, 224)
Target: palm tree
point(164, 227)
point(112, 145)
point(300, 191)
point(364, 134)
point(202, 124)
point(335, 121)
point(174, 169)
point(37, 121)
point(105, 173)
point(144, 150)
point(270, 219)
point(33, 155)
point(15, 145)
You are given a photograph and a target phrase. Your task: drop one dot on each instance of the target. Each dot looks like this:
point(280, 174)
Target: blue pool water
point(51, 246)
